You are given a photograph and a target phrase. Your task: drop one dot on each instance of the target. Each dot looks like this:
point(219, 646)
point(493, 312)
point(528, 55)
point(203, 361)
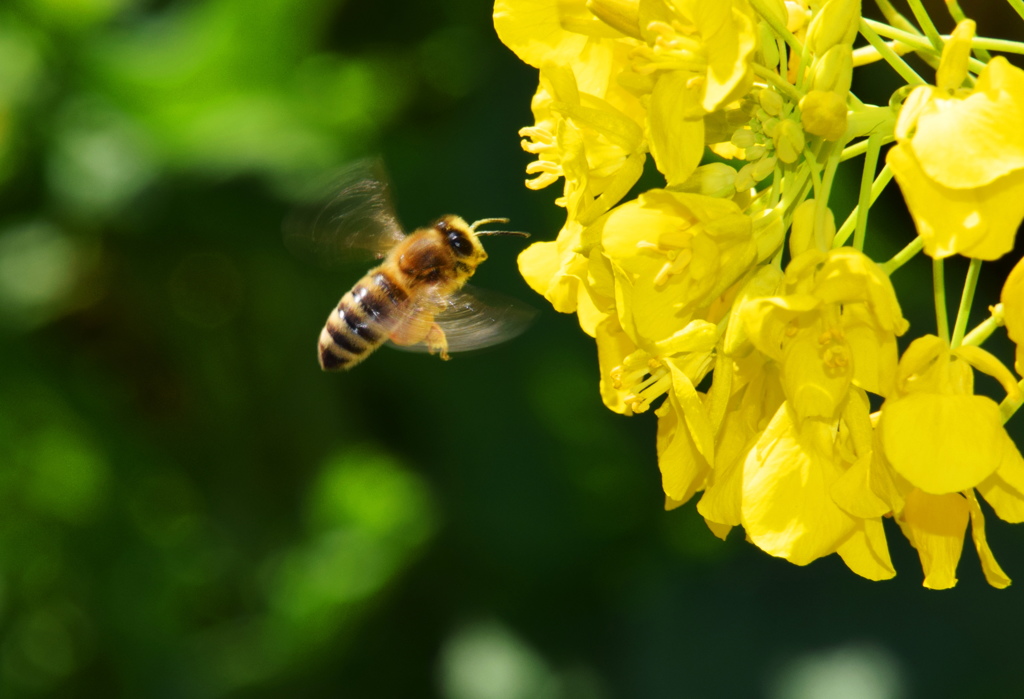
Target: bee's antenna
point(483, 221)
point(477, 224)
point(519, 233)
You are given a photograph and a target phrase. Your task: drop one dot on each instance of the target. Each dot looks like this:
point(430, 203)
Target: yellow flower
point(712, 43)
point(1013, 310)
point(787, 508)
point(935, 525)
point(935, 432)
point(753, 403)
point(581, 137)
point(574, 276)
point(633, 378)
point(801, 489)
point(685, 435)
point(959, 158)
point(699, 54)
point(673, 254)
point(684, 284)
point(942, 442)
point(543, 31)
point(833, 322)
point(554, 268)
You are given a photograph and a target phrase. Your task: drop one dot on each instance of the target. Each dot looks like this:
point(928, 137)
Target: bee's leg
point(437, 342)
point(421, 328)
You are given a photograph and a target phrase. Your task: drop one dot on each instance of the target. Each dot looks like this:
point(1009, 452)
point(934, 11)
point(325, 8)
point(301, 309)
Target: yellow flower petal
point(548, 271)
point(935, 525)
point(1004, 489)
point(677, 138)
point(956, 53)
point(942, 443)
point(852, 491)
point(787, 507)
point(979, 222)
point(1013, 311)
point(613, 346)
point(683, 467)
point(866, 552)
point(993, 573)
point(535, 29)
point(985, 126)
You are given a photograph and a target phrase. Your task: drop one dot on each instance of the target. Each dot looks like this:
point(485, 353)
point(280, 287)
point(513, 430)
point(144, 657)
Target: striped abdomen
point(362, 321)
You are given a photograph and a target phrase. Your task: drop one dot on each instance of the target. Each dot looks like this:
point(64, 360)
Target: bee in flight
point(417, 297)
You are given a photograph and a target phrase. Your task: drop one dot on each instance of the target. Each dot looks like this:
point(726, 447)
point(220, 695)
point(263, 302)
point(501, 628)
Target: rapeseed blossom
point(726, 301)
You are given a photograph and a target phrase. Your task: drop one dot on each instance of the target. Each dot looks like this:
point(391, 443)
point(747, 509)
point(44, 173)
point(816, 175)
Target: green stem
point(1018, 7)
point(831, 164)
point(900, 23)
point(939, 292)
point(861, 147)
point(796, 186)
point(867, 187)
point(922, 47)
point(812, 167)
point(903, 256)
point(893, 17)
point(822, 197)
point(911, 39)
point(985, 328)
point(966, 299)
point(776, 80)
point(981, 43)
point(852, 221)
point(926, 23)
point(778, 28)
point(773, 199)
point(897, 63)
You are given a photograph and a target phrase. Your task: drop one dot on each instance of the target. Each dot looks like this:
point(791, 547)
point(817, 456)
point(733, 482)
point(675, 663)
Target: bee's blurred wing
point(356, 219)
point(474, 318)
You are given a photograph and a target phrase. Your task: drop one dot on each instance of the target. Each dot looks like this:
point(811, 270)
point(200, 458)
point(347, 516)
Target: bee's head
point(461, 239)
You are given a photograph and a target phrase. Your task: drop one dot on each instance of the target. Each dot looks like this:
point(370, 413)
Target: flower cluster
point(727, 300)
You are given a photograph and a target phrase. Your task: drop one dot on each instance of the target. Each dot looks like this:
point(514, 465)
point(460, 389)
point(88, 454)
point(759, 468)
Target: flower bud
point(770, 101)
point(803, 236)
point(763, 168)
point(953, 67)
point(796, 16)
point(833, 71)
point(778, 10)
point(767, 46)
point(789, 141)
point(756, 151)
point(743, 138)
point(835, 23)
point(745, 178)
point(823, 114)
point(712, 180)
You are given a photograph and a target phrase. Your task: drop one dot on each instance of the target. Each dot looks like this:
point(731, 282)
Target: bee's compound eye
point(459, 243)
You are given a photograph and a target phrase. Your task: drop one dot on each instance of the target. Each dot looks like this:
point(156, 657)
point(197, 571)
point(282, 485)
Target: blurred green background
point(190, 508)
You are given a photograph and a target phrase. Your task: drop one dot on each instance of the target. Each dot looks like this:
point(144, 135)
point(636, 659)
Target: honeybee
point(417, 297)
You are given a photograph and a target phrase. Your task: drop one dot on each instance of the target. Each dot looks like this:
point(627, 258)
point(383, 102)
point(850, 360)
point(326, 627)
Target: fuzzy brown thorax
point(443, 255)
